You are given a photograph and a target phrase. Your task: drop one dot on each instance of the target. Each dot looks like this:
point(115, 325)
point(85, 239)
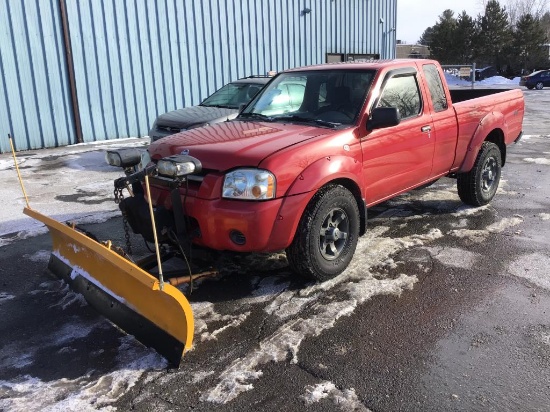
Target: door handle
point(426, 129)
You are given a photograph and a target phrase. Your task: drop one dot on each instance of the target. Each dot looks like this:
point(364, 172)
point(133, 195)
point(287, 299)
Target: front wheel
point(327, 234)
point(478, 186)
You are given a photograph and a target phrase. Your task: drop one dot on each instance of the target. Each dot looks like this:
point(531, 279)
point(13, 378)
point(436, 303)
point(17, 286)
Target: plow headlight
point(123, 158)
point(178, 166)
point(249, 184)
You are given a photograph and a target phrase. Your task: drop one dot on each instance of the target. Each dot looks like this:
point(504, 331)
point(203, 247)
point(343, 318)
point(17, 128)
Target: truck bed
point(477, 108)
point(460, 95)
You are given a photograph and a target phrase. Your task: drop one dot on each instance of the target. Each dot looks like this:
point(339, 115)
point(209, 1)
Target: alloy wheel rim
point(333, 234)
point(489, 174)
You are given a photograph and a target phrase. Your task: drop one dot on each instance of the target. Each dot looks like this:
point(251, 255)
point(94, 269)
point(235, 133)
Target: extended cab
point(301, 180)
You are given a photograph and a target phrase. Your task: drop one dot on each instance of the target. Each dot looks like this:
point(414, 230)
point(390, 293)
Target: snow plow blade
point(124, 293)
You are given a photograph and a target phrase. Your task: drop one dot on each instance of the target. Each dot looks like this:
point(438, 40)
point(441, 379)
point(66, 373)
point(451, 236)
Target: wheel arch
point(361, 204)
point(342, 170)
point(491, 134)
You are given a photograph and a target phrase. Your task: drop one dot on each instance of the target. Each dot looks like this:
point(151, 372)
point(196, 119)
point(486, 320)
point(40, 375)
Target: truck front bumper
point(241, 226)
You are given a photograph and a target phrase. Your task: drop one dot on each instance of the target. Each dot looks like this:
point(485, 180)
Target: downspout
point(70, 70)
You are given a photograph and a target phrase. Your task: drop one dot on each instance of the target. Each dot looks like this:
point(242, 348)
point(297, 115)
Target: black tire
point(479, 185)
point(530, 87)
point(539, 86)
point(327, 234)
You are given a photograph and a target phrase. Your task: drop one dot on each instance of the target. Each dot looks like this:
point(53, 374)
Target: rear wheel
point(539, 86)
point(327, 234)
point(478, 186)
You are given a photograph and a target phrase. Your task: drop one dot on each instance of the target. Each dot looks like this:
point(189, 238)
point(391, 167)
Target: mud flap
point(121, 291)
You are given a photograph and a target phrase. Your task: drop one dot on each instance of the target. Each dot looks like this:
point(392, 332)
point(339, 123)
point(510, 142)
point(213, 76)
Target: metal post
point(70, 70)
point(381, 38)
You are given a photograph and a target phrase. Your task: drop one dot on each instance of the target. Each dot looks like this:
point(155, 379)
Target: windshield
point(326, 97)
point(233, 95)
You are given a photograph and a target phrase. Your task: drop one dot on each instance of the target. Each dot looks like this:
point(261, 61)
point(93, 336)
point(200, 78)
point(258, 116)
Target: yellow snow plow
point(141, 303)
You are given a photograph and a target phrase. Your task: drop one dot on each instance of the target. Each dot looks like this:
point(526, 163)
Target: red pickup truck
point(300, 165)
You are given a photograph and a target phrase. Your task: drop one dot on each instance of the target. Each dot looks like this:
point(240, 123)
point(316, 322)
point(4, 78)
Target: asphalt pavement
point(444, 307)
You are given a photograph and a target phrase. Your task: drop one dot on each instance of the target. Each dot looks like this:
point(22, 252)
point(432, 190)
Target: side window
point(437, 92)
point(402, 93)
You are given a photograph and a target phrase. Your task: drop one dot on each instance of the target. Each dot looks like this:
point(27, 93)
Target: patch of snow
point(66, 349)
point(495, 80)
point(200, 376)
point(288, 304)
point(205, 315)
point(266, 289)
point(478, 235)
point(346, 400)
point(4, 296)
point(544, 216)
point(30, 394)
point(11, 357)
point(538, 160)
point(466, 210)
point(39, 256)
point(70, 298)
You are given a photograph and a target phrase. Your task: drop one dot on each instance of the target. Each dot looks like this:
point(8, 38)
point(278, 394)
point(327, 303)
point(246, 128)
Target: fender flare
point(325, 170)
point(491, 122)
point(345, 169)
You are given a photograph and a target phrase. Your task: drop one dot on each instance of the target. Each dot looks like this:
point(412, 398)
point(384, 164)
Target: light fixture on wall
point(305, 11)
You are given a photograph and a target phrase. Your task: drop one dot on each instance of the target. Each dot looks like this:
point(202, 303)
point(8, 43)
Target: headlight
point(123, 158)
point(178, 166)
point(249, 184)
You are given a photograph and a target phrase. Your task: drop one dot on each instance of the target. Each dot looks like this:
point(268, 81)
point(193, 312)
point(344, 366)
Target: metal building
point(87, 70)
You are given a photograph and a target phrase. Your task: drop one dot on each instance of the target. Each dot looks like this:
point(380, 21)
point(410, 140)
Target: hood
point(194, 116)
point(232, 144)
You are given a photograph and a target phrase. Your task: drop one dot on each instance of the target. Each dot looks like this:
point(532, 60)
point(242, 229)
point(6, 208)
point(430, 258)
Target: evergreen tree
point(545, 23)
point(463, 38)
point(495, 35)
point(529, 37)
point(426, 38)
point(442, 43)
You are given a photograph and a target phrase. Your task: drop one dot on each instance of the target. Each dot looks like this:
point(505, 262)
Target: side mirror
point(383, 117)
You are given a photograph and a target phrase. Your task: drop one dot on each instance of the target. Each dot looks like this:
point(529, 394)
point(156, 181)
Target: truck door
point(398, 157)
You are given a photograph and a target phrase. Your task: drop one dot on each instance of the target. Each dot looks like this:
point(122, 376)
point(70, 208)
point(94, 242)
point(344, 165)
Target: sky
point(415, 16)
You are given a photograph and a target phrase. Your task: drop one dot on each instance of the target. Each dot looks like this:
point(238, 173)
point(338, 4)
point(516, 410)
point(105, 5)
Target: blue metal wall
point(135, 59)
point(34, 95)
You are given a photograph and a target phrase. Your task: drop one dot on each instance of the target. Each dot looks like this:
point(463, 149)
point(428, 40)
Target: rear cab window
point(435, 86)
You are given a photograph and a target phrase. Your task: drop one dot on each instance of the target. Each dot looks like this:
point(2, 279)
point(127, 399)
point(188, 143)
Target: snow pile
point(538, 161)
point(347, 399)
point(498, 80)
point(453, 80)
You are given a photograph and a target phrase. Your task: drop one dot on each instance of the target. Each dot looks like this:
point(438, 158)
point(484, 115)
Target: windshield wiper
point(308, 120)
point(256, 116)
point(218, 105)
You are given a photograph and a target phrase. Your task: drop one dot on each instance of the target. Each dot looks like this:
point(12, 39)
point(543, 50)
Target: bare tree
point(518, 8)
